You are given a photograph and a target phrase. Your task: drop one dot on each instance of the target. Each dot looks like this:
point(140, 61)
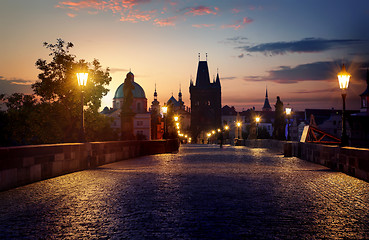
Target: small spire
point(155, 93)
point(266, 91)
point(206, 56)
point(199, 57)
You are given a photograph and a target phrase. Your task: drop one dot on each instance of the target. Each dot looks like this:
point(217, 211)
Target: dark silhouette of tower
point(266, 106)
point(205, 102)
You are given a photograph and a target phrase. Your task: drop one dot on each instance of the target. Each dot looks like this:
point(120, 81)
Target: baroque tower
point(205, 102)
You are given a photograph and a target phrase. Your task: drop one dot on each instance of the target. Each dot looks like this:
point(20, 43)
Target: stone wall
point(352, 161)
point(27, 164)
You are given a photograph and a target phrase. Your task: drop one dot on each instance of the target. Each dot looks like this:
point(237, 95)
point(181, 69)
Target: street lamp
point(82, 81)
point(288, 113)
point(238, 129)
point(343, 80)
point(165, 110)
point(257, 120)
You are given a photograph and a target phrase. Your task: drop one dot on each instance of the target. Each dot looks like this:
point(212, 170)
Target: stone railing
point(352, 161)
point(27, 164)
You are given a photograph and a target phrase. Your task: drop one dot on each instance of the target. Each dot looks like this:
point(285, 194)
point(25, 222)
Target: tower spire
point(266, 106)
point(155, 93)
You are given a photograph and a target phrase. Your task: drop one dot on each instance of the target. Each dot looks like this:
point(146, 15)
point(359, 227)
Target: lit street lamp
point(238, 130)
point(82, 81)
point(288, 113)
point(257, 120)
point(343, 80)
point(165, 110)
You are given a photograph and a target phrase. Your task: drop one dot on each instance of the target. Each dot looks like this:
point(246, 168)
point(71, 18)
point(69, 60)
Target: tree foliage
point(53, 113)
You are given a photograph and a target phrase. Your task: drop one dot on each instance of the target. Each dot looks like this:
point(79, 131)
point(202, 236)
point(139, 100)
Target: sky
point(293, 48)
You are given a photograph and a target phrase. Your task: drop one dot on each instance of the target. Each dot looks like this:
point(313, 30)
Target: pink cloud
point(71, 15)
point(247, 20)
point(166, 22)
point(238, 24)
point(202, 10)
point(202, 25)
point(235, 10)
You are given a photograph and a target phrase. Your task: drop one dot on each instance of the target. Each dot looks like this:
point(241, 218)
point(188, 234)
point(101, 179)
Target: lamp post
point(82, 81)
point(257, 120)
point(226, 128)
point(288, 113)
point(343, 80)
point(238, 130)
point(165, 110)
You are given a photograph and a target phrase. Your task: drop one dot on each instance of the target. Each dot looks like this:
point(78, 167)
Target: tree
point(52, 113)
point(279, 121)
point(58, 87)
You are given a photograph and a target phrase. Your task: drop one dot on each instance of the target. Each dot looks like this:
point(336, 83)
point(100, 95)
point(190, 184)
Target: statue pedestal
point(127, 126)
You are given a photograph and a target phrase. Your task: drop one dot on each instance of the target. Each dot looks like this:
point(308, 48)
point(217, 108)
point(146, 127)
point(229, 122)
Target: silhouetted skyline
point(294, 48)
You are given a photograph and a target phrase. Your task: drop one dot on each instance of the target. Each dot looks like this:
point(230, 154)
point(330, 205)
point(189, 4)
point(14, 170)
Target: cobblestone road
point(202, 192)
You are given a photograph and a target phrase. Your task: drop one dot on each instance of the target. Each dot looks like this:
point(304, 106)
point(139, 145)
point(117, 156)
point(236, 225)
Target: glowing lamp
point(288, 111)
point(343, 78)
point(164, 109)
point(257, 119)
point(82, 79)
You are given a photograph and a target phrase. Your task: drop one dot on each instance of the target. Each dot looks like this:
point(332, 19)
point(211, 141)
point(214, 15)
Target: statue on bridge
point(127, 114)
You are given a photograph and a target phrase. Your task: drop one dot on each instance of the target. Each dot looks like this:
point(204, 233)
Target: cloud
point(200, 10)
point(238, 24)
point(114, 70)
point(165, 22)
point(129, 10)
point(10, 86)
point(227, 78)
point(236, 10)
point(202, 25)
point(317, 91)
point(316, 71)
point(72, 15)
point(306, 45)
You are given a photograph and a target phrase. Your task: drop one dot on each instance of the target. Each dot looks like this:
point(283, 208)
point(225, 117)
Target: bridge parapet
point(350, 160)
point(26, 164)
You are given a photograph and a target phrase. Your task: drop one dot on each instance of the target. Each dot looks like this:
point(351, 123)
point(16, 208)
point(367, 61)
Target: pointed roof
point(266, 106)
point(202, 78)
point(173, 101)
point(217, 80)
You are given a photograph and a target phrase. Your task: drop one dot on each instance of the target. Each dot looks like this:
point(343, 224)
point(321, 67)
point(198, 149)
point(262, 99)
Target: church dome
point(138, 91)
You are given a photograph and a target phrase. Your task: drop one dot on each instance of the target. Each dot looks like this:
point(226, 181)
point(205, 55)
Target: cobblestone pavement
point(202, 192)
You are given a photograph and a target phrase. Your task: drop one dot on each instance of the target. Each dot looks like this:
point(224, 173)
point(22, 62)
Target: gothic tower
point(205, 102)
point(266, 107)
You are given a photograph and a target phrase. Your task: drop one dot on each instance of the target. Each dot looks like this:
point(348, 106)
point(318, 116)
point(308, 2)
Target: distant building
point(360, 121)
point(157, 123)
point(205, 102)
point(142, 118)
point(177, 108)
